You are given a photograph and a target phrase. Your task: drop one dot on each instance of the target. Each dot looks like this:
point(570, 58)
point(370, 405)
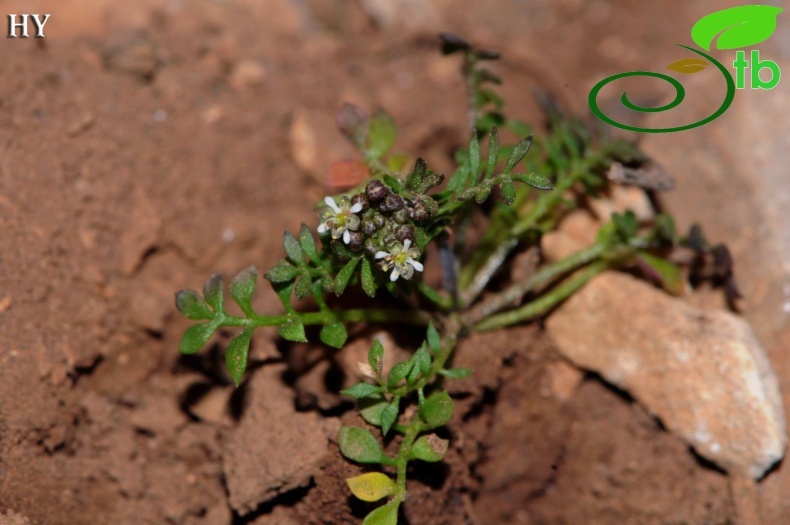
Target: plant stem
point(545, 275)
point(545, 303)
point(415, 317)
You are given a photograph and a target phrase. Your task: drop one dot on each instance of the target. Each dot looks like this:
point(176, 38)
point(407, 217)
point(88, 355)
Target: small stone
point(703, 373)
point(303, 141)
point(247, 74)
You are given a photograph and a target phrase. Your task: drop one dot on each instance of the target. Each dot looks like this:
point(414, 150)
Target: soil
point(145, 145)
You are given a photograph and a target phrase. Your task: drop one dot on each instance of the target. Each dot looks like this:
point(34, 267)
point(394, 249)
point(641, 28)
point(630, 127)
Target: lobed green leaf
point(357, 444)
point(361, 390)
point(293, 330)
point(429, 448)
point(189, 303)
point(242, 287)
point(307, 242)
point(533, 179)
point(334, 334)
point(236, 356)
point(195, 337)
point(293, 249)
point(213, 292)
point(341, 281)
point(437, 409)
point(519, 152)
point(282, 272)
point(368, 280)
point(384, 515)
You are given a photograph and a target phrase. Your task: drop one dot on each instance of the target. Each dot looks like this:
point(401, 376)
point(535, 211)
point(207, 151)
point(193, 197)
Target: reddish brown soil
point(145, 145)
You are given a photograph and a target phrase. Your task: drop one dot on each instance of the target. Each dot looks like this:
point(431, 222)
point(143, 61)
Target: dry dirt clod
point(703, 373)
point(274, 449)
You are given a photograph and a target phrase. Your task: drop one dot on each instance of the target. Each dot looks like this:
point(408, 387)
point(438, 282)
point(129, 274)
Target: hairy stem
point(544, 303)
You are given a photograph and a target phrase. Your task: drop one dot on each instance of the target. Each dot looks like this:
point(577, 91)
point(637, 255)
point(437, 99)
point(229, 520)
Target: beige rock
point(274, 449)
point(247, 74)
point(703, 373)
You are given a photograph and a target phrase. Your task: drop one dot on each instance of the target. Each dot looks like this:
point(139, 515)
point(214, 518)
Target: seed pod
point(389, 240)
point(420, 213)
point(362, 199)
point(404, 231)
point(409, 211)
point(400, 216)
point(355, 241)
point(371, 246)
point(376, 191)
point(393, 202)
point(368, 227)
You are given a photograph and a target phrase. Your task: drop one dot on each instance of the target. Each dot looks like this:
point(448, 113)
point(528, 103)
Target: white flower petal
point(417, 266)
point(323, 228)
point(346, 237)
point(356, 208)
point(394, 275)
point(406, 244)
point(381, 255)
point(331, 203)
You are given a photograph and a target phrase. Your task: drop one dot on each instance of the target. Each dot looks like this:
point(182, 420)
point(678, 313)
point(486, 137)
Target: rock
point(703, 373)
point(622, 199)
point(274, 449)
point(134, 54)
point(12, 518)
point(247, 74)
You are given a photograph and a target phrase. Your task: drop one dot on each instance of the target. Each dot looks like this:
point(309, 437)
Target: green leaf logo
point(739, 27)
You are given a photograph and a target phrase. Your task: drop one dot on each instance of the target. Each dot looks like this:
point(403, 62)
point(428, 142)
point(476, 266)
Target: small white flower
point(339, 219)
point(402, 258)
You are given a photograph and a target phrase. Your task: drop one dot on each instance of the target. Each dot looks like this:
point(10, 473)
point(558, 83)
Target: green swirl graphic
point(680, 94)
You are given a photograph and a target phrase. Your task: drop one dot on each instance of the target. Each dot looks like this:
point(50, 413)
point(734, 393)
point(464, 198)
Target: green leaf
point(384, 515)
point(741, 26)
point(371, 486)
point(368, 281)
point(457, 373)
point(382, 134)
point(282, 272)
point(303, 286)
point(334, 334)
point(669, 274)
point(392, 182)
point(389, 415)
point(213, 292)
point(371, 407)
point(627, 225)
point(236, 356)
point(508, 190)
point(422, 360)
point(398, 372)
point(474, 156)
point(357, 444)
point(533, 179)
point(429, 448)
point(416, 179)
point(341, 281)
point(482, 193)
point(192, 305)
point(241, 288)
point(293, 330)
point(493, 152)
point(341, 250)
point(292, 249)
point(434, 341)
point(284, 291)
point(376, 356)
point(437, 410)
point(361, 390)
point(307, 242)
point(518, 153)
point(195, 337)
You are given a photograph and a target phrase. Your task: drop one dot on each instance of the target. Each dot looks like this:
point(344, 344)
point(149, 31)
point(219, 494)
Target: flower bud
point(376, 191)
point(371, 246)
point(393, 202)
point(379, 221)
point(360, 198)
point(355, 241)
point(400, 216)
point(420, 213)
point(368, 227)
point(404, 231)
